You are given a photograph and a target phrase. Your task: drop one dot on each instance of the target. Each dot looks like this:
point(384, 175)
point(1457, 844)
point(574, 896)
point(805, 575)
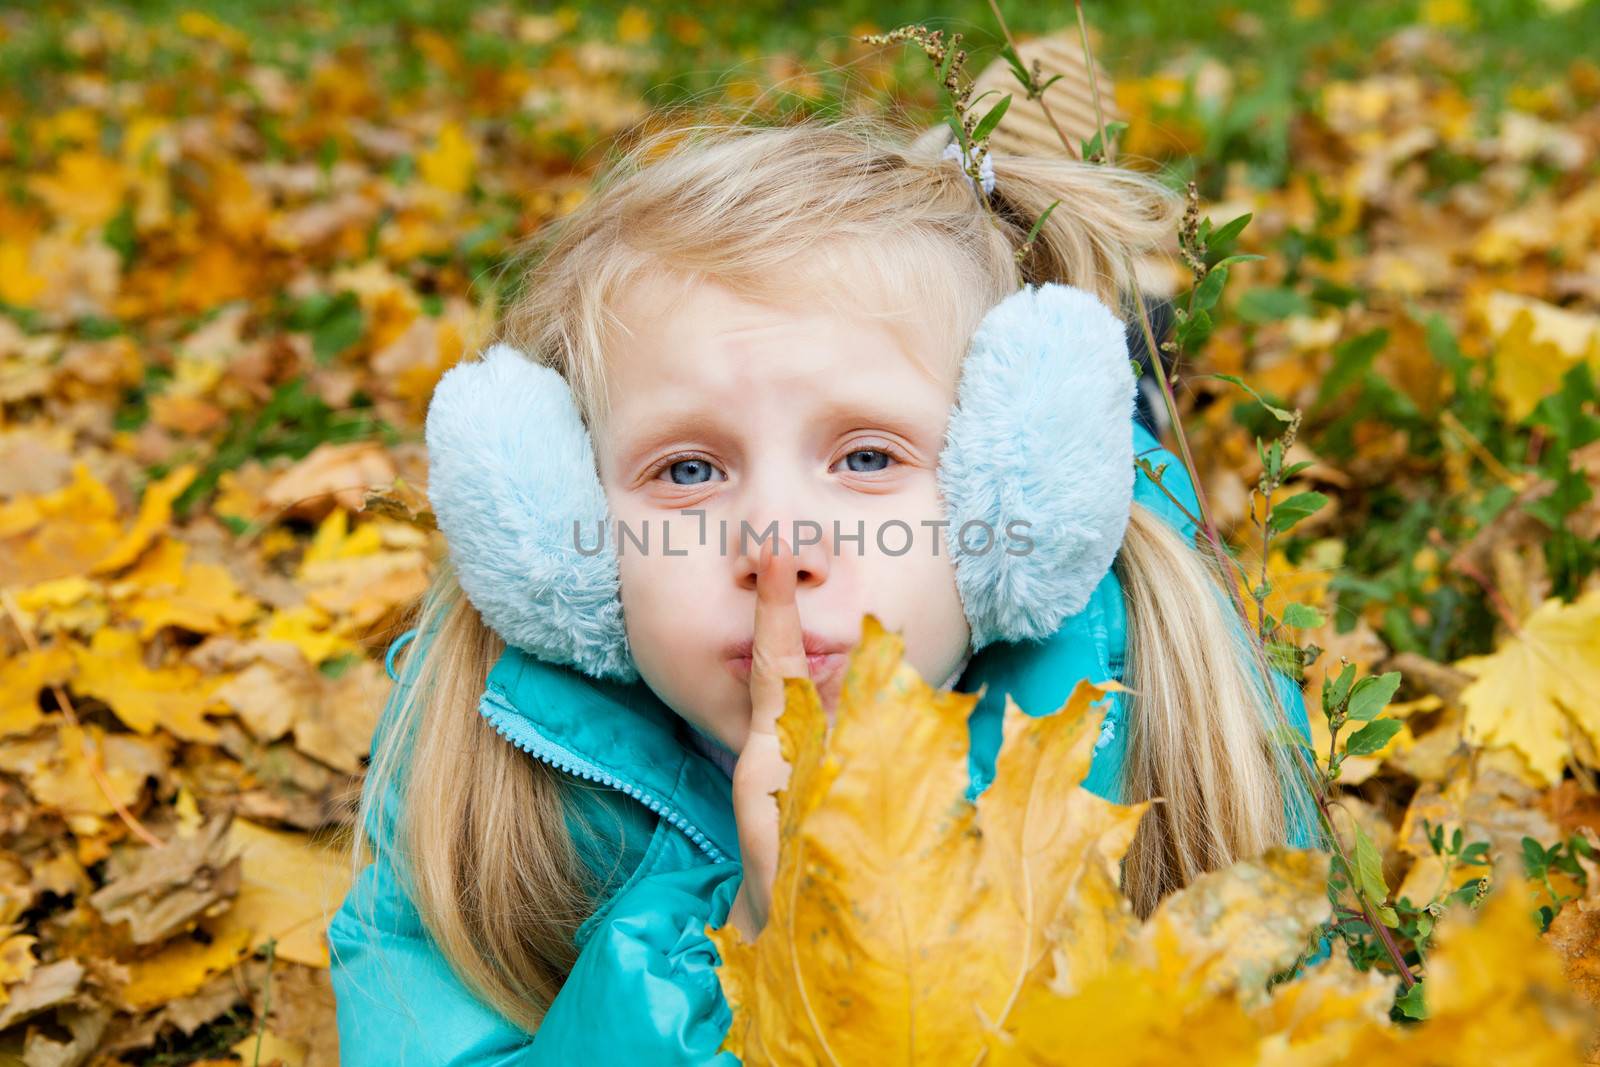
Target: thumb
point(779, 648)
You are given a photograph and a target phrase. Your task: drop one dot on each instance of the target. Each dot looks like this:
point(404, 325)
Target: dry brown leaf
point(159, 892)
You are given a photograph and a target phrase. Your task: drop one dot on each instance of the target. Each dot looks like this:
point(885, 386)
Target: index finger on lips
point(779, 647)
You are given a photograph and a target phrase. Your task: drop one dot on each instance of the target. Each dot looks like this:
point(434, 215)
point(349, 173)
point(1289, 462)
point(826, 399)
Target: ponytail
point(1202, 726)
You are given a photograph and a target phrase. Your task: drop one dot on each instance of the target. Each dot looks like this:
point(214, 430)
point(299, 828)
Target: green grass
point(1510, 41)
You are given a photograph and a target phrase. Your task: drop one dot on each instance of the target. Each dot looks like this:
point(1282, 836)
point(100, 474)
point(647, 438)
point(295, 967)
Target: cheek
point(923, 591)
point(659, 602)
point(915, 592)
point(674, 605)
point(673, 628)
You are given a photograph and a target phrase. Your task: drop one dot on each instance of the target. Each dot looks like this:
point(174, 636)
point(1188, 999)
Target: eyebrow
point(678, 424)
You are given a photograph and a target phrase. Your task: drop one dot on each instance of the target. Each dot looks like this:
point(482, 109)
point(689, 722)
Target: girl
point(763, 326)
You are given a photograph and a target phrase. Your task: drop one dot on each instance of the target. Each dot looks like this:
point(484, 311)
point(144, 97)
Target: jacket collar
point(619, 735)
point(1178, 512)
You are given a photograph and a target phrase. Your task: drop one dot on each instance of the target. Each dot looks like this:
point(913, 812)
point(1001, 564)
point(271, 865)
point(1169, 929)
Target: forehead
point(677, 342)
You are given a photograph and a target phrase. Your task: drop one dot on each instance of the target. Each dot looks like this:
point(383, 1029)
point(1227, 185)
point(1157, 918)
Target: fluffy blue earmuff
point(510, 468)
point(1036, 472)
point(1041, 434)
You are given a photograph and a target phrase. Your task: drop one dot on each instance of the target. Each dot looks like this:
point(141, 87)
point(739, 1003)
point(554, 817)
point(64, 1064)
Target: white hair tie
point(985, 169)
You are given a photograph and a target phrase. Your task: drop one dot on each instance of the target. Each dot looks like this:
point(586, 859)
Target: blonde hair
point(845, 212)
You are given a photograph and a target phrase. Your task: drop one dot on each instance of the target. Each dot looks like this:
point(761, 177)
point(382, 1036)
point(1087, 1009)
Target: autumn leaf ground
point(239, 245)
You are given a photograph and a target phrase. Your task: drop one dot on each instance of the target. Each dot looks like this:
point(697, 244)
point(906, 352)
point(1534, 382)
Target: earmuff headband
point(1039, 447)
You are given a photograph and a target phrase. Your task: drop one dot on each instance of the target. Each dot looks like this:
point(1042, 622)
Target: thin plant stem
point(1094, 79)
point(1005, 31)
point(266, 1001)
point(1213, 537)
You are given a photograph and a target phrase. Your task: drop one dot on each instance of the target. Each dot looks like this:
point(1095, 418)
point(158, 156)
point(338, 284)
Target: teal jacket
point(653, 820)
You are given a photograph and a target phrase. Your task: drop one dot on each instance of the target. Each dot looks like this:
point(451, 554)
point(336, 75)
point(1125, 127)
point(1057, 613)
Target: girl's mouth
point(824, 668)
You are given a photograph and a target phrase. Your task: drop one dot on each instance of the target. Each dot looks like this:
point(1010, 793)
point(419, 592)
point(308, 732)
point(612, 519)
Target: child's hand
point(778, 652)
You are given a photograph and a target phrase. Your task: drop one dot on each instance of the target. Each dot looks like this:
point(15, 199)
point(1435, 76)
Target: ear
point(513, 484)
point(1039, 447)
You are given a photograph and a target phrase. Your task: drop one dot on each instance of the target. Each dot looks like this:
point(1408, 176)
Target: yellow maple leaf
point(71, 603)
point(85, 188)
point(174, 698)
point(166, 590)
point(1535, 343)
point(1129, 1015)
point(17, 961)
point(74, 531)
point(334, 540)
point(54, 535)
point(898, 924)
point(1447, 13)
point(363, 591)
point(57, 769)
point(1537, 690)
point(634, 25)
point(181, 967)
point(449, 164)
point(910, 926)
point(19, 284)
point(291, 887)
point(21, 678)
point(1236, 927)
point(268, 1046)
point(307, 627)
point(201, 25)
point(155, 515)
point(389, 304)
point(1192, 977)
point(1496, 994)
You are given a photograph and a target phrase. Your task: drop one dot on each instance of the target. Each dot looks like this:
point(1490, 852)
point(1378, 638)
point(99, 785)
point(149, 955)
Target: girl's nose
point(807, 540)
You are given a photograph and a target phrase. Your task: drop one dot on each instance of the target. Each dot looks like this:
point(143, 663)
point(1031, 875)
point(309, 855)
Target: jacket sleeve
point(645, 988)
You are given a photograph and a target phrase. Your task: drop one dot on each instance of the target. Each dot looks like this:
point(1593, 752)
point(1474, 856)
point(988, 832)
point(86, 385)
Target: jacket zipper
point(510, 724)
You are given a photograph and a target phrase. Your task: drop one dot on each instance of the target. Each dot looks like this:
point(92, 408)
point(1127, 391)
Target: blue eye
point(690, 472)
point(879, 459)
